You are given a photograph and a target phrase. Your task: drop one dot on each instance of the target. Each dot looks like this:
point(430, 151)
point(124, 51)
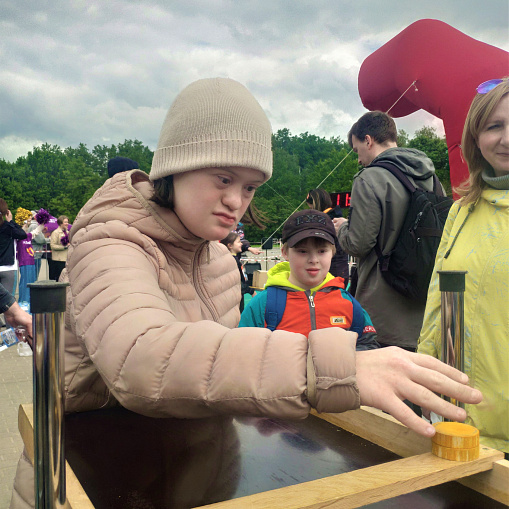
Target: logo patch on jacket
point(338, 320)
point(369, 328)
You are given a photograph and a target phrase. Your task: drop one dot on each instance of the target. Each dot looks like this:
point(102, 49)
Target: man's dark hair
point(380, 126)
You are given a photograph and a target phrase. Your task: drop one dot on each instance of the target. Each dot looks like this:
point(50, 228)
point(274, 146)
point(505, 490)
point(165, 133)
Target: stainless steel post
point(47, 304)
point(452, 287)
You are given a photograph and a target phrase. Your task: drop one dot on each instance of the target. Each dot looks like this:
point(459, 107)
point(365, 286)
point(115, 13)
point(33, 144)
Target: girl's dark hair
point(319, 199)
point(164, 196)
point(163, 192)
point(60, 220)
point(230, 239)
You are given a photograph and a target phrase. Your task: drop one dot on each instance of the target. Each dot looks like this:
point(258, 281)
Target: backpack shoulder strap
point(437, 188)
point(357, 318)
point(398, 174)
point(384, 261)
point(275, 307)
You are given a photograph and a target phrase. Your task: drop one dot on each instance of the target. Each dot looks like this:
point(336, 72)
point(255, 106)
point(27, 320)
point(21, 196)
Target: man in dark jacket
point(378, 207)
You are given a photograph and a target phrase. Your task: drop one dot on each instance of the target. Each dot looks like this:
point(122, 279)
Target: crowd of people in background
point(25, 240)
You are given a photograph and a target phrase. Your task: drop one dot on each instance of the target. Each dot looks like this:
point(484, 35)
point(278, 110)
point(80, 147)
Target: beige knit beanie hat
point(213, 123)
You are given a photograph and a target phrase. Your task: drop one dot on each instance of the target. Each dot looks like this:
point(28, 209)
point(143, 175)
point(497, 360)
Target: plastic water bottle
point(8, 337)
point(24, 349)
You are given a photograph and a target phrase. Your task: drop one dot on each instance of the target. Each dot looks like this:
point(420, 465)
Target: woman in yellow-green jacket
point(476, 239)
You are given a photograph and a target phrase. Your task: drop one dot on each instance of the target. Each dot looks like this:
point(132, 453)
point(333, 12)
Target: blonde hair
point(480, 110)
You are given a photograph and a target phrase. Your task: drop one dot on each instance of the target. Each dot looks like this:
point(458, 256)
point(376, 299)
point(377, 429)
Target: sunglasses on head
point(487, 86)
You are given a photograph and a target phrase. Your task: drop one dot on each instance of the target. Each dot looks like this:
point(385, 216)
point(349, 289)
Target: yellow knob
point(455, 441)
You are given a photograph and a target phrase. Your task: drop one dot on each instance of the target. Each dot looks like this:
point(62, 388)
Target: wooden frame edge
point(383, 430)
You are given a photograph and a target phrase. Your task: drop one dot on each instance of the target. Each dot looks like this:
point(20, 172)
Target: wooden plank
point(26, 429)
point(493, 483)
point(383, 430)
point(367, 485)
point(76, 496)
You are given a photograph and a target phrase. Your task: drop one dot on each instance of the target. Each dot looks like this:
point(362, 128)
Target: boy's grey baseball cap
point(308, 223)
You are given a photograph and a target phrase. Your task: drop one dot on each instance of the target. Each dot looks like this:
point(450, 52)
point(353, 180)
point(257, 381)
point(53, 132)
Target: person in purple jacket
point(26, 261)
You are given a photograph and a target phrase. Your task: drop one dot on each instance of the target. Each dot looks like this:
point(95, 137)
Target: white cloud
point(92, 72)
point(12, 147)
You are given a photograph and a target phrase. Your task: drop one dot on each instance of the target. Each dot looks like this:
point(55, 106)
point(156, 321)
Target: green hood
point(279, 274)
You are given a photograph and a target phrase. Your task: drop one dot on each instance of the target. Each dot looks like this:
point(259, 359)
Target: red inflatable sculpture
point(446, 66)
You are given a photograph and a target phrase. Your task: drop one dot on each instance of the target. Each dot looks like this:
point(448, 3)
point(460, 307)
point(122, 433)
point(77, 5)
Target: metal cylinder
point(47, 301)
point(452, 288)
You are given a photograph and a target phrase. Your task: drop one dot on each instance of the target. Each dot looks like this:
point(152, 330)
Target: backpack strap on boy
point(357, 318)
point(275, 307)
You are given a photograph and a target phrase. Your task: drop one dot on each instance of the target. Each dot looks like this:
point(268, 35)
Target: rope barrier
point(340, 162)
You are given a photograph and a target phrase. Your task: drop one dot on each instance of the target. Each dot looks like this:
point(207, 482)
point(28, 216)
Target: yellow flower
point(22, 215)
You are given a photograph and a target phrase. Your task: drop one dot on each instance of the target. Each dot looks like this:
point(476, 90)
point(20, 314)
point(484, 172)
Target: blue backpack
point(276, 305)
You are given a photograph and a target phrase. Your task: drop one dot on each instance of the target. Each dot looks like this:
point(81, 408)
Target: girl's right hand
point(387, 376)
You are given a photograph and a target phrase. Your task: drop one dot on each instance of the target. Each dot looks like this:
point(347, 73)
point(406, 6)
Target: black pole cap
point(452, 280)
point(47, 296)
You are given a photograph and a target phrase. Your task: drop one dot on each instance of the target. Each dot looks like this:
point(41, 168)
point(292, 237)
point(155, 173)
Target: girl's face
point(64, 224)
point(211, 201)
point(493, 140)
point(236, 246)
point(309, 263)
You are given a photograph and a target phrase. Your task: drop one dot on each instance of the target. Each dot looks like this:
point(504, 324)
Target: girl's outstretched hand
point(387, 376)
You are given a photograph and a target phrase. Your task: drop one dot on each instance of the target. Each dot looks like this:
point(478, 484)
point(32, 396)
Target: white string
point(340, 162)
point(400, 97)
point(303, 201)
point(272, 189)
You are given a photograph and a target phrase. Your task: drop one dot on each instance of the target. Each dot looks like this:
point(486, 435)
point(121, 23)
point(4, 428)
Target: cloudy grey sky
point(100, 72)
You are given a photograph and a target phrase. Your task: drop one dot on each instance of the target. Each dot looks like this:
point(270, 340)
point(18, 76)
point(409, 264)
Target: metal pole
point(47, 300)
point(452, 287)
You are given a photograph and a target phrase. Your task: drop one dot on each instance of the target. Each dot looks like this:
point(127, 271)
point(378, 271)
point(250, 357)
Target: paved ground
point(15, 388)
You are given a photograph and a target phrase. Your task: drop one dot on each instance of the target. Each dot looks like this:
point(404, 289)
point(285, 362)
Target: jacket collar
point(279, 274)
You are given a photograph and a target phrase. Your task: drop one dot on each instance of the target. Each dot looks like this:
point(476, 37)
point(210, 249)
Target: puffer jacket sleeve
point(159, 366)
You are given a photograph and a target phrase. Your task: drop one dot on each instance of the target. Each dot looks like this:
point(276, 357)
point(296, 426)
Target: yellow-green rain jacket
point(482, 249)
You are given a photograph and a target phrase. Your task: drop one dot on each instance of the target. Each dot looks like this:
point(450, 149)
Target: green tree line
point(62, 180)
